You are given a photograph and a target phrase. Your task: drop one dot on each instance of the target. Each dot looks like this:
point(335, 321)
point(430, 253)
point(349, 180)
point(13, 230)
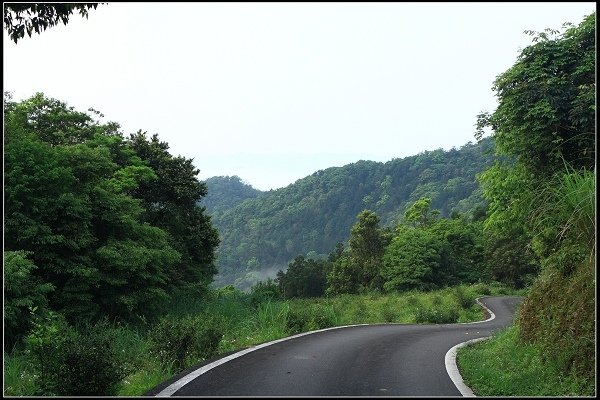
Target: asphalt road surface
point(368, 360)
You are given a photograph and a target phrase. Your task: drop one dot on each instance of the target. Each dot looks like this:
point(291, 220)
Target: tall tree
point(545, 123)
point(359, 266)
point(67, 202)
point(303, 278)
point(420, 213)
point(544, 202)
point(546, 110)
point(89, 212)
point(412, 260)
point(171, 202)
point(366, 246)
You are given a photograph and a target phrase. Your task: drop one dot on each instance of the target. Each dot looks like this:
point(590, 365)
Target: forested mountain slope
point(261, 234)
point(225, 192)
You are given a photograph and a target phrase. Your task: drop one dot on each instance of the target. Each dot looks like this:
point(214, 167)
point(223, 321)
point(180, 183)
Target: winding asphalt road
point(362, 360)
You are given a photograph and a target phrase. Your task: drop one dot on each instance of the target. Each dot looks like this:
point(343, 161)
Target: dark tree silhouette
point(28, 17)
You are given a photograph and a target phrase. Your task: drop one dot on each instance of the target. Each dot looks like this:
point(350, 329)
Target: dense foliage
point(110, 224)
point(22, 292)
point(441, 252)
point(303, 278)
point(263, 232)
point(542, 207)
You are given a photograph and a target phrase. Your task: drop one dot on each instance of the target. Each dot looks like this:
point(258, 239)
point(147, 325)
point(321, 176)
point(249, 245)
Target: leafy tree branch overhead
point(29, 17)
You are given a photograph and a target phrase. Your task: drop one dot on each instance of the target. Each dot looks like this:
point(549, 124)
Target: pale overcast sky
point(272, 92)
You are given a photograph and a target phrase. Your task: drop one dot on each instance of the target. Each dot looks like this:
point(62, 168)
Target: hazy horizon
point(272, 92)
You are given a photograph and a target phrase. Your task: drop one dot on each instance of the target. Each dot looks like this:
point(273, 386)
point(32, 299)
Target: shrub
point(22, 292)
point(436, 315)
point(387, 311)
point(73, 363)
point(305, 319)
point(182, 341)
point(264, 291)
point(360, 311)
point(558, 315)
point(413, 301)
point(464, 299)
point(322, 317)
point(484, 290)
point(90, 366)
point(296, 320)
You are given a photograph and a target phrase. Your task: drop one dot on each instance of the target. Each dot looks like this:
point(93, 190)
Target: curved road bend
point(367, 360)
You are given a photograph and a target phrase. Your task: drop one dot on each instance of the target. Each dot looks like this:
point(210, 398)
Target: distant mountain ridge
point(262, 231)
point(226, 192)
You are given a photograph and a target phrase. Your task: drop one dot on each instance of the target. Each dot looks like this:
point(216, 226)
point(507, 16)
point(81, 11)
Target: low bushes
point(313, 317)
point(182, 341)
point(73, 362)
point(436, 315)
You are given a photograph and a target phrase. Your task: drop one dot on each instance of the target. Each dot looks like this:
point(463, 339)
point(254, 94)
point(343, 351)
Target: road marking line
point(492, 315)
point(450, 358)
point(452, 368)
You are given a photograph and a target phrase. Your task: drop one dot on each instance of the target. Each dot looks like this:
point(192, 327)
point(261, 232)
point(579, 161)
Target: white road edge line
point(491, 317)
point(452, 368)
point(175, 386)
point(450, 358)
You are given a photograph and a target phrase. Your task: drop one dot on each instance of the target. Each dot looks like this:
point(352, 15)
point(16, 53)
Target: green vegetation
point(505, 366)
point(177, 340)
point(425, 253)
point(109, 254)
point(97, 226)
point(545, 202)
point(103, 225)
point(227, 320)
point(74, 361)
point(262, 232)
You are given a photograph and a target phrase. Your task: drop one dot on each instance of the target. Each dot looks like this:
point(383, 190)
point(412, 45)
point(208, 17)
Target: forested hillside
point(226, 192)
point(261, 235)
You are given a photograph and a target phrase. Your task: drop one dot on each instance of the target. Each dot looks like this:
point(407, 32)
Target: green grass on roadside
point(19, 375)
point(139, 382)
point(502, 366)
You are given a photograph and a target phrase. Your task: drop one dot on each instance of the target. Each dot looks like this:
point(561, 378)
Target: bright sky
point(273, 92)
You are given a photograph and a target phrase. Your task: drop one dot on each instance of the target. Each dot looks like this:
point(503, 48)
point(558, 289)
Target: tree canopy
point(546, 111)
point(111, 224)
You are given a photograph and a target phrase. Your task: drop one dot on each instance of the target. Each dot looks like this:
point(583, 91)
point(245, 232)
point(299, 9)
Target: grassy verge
point(246, 321)
point(503, 366)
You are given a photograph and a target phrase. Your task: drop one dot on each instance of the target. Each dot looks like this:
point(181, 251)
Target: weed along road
point(362, 360)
